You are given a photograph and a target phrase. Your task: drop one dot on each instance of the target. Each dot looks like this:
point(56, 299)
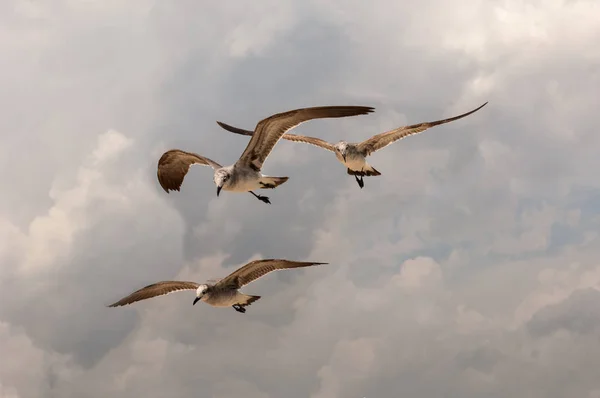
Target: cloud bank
point(468, 269)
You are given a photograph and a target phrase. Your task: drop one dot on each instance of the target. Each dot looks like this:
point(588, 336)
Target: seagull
point(353, 155)
point(222, 292)
point(245, 175)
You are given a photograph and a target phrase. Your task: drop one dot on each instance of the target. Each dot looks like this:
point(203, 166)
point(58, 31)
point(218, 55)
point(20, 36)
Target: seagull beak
point(196, 300)
point(218, 190)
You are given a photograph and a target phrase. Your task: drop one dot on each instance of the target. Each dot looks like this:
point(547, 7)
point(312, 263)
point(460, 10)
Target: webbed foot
point(261, 198)
point(239, 308)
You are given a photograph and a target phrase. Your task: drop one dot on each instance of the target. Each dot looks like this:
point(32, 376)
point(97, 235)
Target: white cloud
point(27, 370)
point(351, 363)
point(414, 273)
point(556, 285)
point(50, 237)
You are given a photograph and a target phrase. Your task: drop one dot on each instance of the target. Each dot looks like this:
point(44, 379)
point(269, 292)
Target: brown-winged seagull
point(245, 175)
point(222, 293)
point(353, 155)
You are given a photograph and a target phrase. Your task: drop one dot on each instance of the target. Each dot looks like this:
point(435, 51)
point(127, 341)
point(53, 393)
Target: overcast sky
point(469, 268)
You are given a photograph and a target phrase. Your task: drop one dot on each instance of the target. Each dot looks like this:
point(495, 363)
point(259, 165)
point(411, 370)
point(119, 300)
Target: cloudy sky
point(470, 268)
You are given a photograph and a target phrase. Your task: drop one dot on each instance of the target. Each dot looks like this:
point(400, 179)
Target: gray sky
point(468, 269)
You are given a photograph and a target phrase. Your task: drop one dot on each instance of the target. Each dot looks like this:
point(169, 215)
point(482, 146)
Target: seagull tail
point(369, 171)
point(272, 182)
point(247, 300)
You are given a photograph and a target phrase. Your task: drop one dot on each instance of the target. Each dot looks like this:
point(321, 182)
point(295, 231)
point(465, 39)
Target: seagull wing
point(310, 140)
point(255, 269)
point(156, 289)
point(173, 165)
point(290, 137)
point(382, 140)
point(236, 130)
point(268, 131)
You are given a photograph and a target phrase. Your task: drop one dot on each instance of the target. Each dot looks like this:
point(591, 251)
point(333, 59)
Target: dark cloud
point(577, 314)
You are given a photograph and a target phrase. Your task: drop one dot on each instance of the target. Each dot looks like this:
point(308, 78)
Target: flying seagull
point(222, 293)
point(245, 175)
point(353, 155)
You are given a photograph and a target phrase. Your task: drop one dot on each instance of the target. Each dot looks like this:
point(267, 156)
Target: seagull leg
point(360, 181)
point(261, 198)
point(239, 308)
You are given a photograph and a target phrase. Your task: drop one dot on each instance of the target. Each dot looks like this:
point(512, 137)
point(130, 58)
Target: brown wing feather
point(255, 269)
point(156, 289)
point(236, 130)
point(382, 140)
point(309, 140)
point(173, 165)
point(268, 131)
point(290, 137)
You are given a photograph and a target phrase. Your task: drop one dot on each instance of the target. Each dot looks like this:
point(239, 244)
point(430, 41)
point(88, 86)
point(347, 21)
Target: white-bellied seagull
point(245, 175)
point(353, 155)
point(222, 293)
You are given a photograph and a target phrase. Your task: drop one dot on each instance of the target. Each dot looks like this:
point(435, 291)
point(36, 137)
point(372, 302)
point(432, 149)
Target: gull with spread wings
point(222, 293)
point(353, 155)
point(245, 175)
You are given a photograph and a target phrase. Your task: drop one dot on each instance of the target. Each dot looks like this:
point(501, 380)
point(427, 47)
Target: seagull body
point(353, 155)
point(245, 175)
point(353, 158)
point(222, 292)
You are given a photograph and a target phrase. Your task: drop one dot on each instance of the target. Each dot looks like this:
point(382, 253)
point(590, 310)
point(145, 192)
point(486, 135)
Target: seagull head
point(200, 292)
point(220, 178)
point(342, 148)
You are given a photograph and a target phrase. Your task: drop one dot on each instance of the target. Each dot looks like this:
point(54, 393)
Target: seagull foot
point(263, 199)
point(239, 308)
point(360, 181)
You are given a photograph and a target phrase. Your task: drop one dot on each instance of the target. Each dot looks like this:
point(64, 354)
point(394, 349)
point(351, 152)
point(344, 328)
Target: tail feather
point(272, 182)
point(248, 300)
point(371, 172)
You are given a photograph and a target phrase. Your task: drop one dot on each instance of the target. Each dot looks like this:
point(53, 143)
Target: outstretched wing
point(236, 130)
point(156, 289)
point(382, 140)
point(291, 137)
point(268, 131)
point(255, 269)
point(173, 165)
point(309, 140)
